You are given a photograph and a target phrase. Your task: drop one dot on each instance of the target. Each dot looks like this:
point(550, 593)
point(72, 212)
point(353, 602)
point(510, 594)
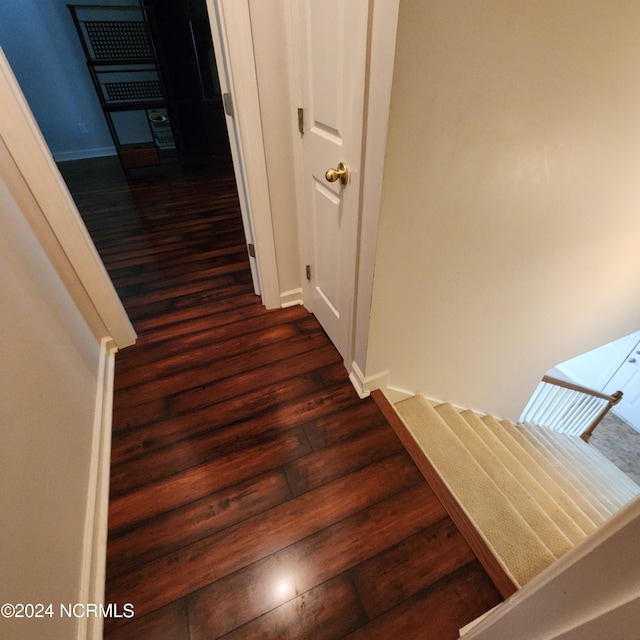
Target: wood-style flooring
point(253, 495)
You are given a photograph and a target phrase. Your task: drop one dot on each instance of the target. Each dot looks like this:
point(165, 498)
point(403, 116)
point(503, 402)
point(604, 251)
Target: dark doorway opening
point(182, 35)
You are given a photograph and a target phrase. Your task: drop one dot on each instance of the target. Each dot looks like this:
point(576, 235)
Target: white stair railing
point(567, 407)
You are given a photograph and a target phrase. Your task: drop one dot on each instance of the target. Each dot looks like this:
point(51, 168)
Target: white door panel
point(335, 37)
point(627, 379)
point(596, 367)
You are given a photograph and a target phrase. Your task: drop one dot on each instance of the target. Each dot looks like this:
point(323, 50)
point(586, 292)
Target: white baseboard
point(364, 385)
point(394, 394)
point(83, 154)
point(95, 529)
point(290, 298)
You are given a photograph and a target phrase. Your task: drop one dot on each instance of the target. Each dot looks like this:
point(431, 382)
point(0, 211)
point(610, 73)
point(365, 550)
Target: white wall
point(45, 53)
point(509, 223)
point(60, 323)
point(49, 360)
point(269, 30)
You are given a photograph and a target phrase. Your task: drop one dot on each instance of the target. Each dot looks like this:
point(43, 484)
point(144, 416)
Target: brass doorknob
point(341, 173)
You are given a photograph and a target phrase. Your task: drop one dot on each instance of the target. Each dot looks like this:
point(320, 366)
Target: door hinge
point(227, 101)
point(252, 250)
point(308, 270)
point(301, 120)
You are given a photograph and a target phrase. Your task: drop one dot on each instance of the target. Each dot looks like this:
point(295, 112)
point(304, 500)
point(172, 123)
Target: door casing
point(232, 40)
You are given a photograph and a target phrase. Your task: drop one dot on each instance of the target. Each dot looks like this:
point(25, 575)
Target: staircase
point(529, 494)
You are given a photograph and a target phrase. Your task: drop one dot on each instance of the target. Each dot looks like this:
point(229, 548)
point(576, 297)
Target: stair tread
point(545, 499)
point(607, 470)
point(519, 496)
point(513, 541)
point(567, 459)
point(557, 476)
point(565, 496)
point(603, 477)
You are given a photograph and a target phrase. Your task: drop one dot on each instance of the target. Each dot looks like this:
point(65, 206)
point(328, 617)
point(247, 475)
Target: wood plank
point(228, 367)
point(227, 441)
point(125, 417)
point(340, 425)
point(415, 563)
point(196, 482)
point(174, 529)
point(319, 467)
point(437, 612)
point(208, 353)
point(277, 394)
point(324, 613)
point(168, 623)
point(185, 320)
point(250, 592)
point(194, 566)
point(200, 333)
point(228, 386)
point(498, 575)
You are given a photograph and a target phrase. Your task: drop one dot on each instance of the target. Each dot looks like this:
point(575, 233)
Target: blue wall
point(40, 41)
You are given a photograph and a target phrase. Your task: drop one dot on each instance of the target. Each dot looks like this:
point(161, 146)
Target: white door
point(627, 380)
point(596, 367)
point(334, 50)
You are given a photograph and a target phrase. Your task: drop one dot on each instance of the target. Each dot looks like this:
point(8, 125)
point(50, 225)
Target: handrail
point(614, 397)
point(568, 407)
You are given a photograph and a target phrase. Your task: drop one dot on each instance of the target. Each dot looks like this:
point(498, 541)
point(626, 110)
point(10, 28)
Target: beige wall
point(49, 361)
point(510, 217)
point(269, 29)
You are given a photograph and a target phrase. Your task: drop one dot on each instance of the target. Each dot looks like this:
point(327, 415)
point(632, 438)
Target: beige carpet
point(620, 443)
point(524, 534)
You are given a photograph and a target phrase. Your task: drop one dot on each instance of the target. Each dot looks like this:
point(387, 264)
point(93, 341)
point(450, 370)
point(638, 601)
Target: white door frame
point(54, 218)
point(233, 45)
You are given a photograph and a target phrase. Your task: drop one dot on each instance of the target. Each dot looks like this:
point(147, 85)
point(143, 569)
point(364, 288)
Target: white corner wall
point(49, 374)
point(509, 222)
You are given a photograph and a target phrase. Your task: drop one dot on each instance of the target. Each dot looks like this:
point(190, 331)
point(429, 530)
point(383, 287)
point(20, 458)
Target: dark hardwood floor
point(253, 495)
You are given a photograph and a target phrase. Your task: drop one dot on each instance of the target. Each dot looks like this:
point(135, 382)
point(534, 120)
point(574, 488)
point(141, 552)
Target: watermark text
point(66, 610)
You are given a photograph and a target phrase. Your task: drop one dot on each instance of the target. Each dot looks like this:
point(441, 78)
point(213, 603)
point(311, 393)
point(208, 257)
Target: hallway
point(252, 493)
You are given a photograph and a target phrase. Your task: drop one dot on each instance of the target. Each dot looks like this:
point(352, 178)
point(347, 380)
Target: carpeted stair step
point(530, 493)
point(571, 468)
point(623, 486)
point(569, 485)
point(546, 501)
point(568, 498)
point(514, 543)
point(519, 496)
point(603, 480)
